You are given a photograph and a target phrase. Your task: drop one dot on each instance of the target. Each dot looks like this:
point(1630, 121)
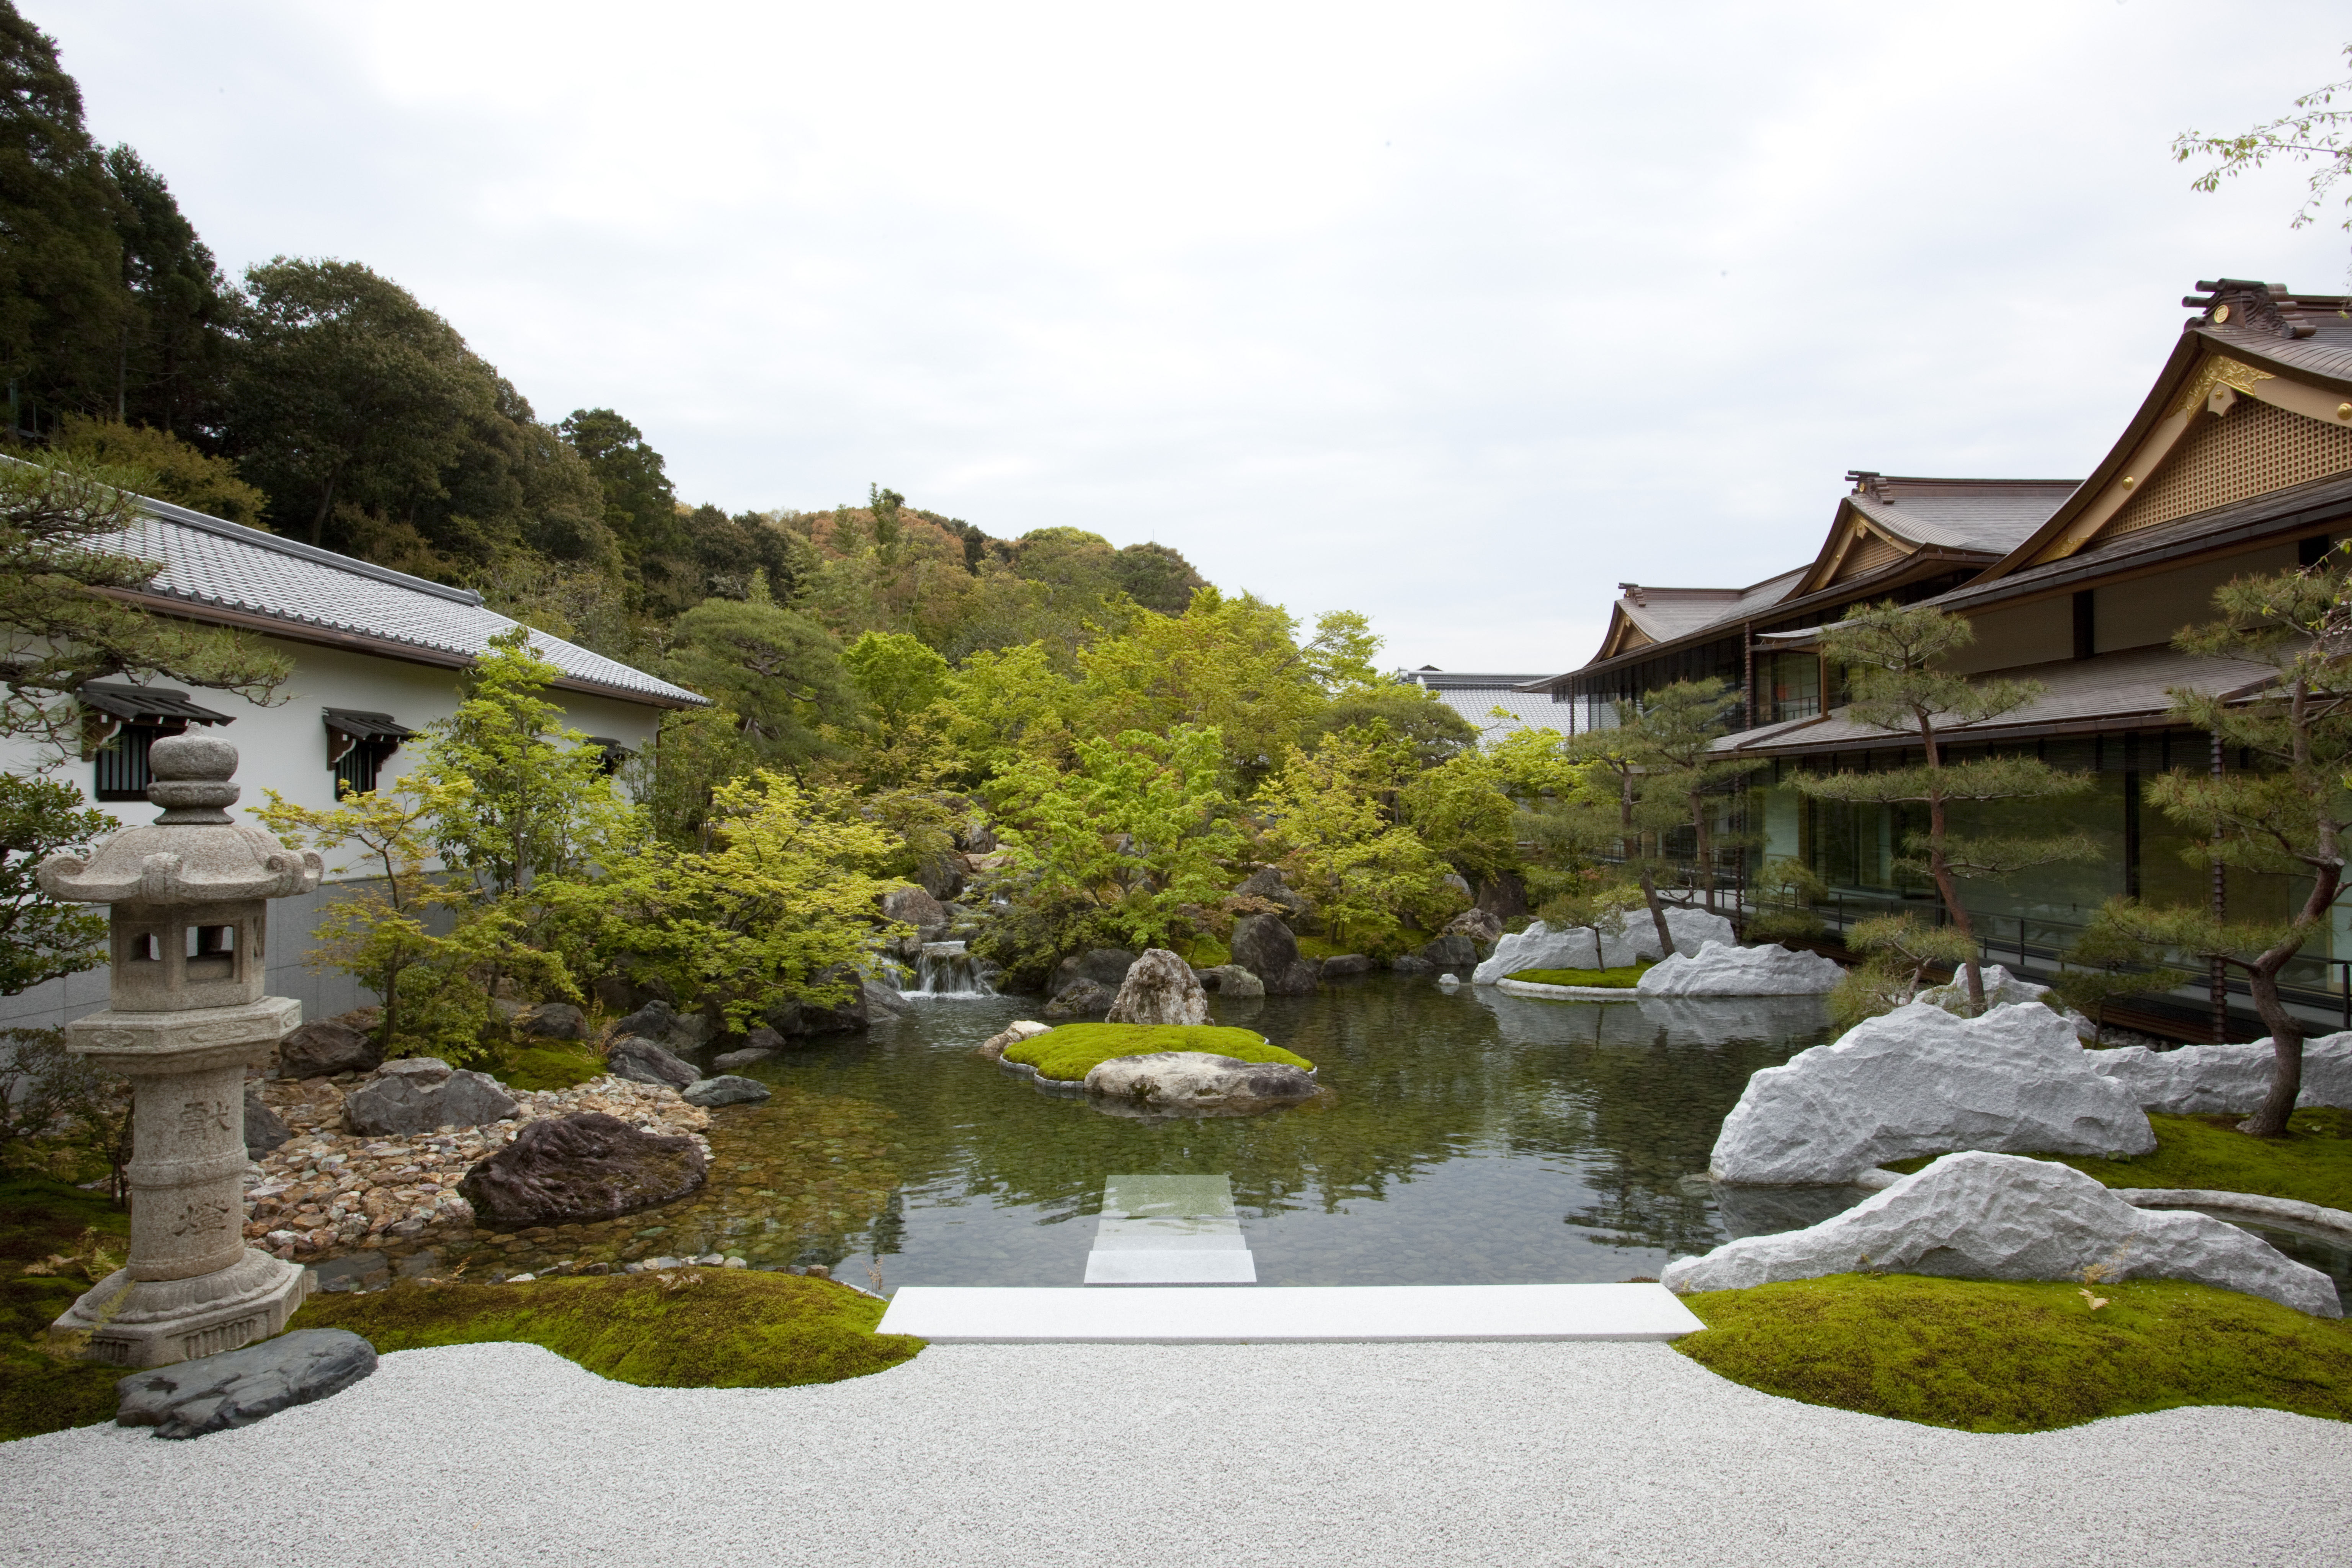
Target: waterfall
point(945, 969)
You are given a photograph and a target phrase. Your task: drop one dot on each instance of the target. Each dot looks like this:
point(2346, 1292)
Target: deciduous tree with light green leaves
point(1140, 826)
point(1894, 657)
point(41, 939)
point(1339, 846)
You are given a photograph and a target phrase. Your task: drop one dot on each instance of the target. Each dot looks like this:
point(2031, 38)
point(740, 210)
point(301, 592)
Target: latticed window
point(357, 744)
point(122, 769)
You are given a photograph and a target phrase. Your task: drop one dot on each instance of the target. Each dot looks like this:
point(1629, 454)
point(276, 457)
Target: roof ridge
point(188, 517)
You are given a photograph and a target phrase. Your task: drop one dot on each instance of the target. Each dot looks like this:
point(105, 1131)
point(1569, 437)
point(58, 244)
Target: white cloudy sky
point(1458, 314)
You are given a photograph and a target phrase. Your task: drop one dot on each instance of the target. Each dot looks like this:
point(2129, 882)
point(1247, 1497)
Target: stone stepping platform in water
point(1169, 1230)
point(975, 1314)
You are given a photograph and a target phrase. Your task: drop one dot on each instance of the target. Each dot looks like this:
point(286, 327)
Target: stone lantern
point(184, 1017)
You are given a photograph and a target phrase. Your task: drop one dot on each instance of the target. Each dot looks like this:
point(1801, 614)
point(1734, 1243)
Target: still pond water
point(1469, 1137)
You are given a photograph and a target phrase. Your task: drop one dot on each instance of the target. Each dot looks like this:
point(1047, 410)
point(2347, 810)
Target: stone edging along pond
point(1567, 993)
point(1076, 1088)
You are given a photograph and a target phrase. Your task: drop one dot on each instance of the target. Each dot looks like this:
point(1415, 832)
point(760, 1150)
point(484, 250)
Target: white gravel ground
point(1192, 1454)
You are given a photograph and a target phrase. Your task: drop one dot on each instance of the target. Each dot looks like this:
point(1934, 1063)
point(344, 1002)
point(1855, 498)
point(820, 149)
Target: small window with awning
point(121, 721)
point(357, 744)
point(615, 752)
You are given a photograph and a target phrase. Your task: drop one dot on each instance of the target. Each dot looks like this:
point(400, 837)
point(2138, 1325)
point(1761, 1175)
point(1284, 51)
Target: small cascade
point(945, 969)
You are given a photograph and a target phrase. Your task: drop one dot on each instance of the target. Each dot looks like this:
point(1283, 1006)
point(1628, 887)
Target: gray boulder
point(1081, 999)
point(2226, 1081)
point(1996, 1216)
point(583, 1167)
point(882, 1001)
point(1720, 970)
point(417, 1094)
point(1453, 950)
point(914, 907)
point(1633, 936)
point(1537, 947)
point(239, 1387)
point(724, 1089)
point(1198, 1080)
point(634, 1058)
point(727, 1061)
point(1266, 948)
point(2003, 989)
point(665, 1025)
point(1479, 925)
point(551, 1021)
point(1920, 1081)
point(1104, 965)
point(1341, 965)
point(1412, 963)
point(994, 1047)
point(1266, 883)
point(1159, 989)
point(263, 1130)
point(325, 1048)
point(1232, 981)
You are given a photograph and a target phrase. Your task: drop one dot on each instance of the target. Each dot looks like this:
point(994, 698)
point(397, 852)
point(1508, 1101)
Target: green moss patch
point(1072, 1051)
point(2312, 1162)
point(1204, 951)
point(694, 1328)
point(1623, 978)
point(553, 1066)
point(68, 1234)
point(1994, 1356)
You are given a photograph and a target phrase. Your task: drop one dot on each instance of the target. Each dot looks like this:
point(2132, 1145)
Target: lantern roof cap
point(193, 853)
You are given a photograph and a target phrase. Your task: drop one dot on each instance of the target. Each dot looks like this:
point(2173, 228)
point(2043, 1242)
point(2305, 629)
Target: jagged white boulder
point(1199, 1081)
point(1997, 1217)
point(1539, 947)
point(2003, 989)
point(1617, 943)
point(1920, 1081)
point(1717, 970)
point(2226, 1081)
point(1159, 988)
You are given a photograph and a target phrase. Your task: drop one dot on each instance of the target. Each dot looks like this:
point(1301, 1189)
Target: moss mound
point(694, 1328)
point(2313, 1163)
point(41, 1221)
point(1623, 978)
point(1070, 1052)
point(552, 1066)
point(1994, 1356)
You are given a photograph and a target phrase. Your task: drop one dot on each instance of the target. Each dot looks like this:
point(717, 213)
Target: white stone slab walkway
point(1424, 1456)
point(950, 1314)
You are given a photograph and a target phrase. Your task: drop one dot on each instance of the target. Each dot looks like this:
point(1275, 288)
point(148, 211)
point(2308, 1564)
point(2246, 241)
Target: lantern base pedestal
point(135, 1323)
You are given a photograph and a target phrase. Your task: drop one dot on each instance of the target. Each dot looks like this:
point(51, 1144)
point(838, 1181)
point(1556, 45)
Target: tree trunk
point(2286, 1047)
point(1940, 870)
point(1706, 848)
point(1657, 914)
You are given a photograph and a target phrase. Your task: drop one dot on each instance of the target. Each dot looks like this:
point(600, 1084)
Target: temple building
point(2237, 463)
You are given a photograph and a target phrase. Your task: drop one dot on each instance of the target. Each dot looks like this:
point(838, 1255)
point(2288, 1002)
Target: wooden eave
point(1847, 529)
point(2164, 419)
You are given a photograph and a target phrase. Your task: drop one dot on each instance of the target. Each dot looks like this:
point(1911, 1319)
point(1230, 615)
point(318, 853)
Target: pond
point(1470, 1138)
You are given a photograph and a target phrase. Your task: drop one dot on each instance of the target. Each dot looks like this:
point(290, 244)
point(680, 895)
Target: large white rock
point(1539, 947)
point(2231, 1080)
point(2003, 989)
point(1720, 970)
point(1159, 989)
point(1996, 1216)
point(1615, 945)
point(1920, 1081)
point(1199, 1081)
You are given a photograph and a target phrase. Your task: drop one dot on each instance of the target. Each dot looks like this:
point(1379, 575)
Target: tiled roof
point(203, 561)
point(1990, 515)
point(1476, 696)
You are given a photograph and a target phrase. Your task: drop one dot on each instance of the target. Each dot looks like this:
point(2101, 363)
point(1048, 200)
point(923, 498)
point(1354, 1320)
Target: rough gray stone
point(1412, 963)
point(1539, 947)
point(881, 1000)
point(641, 1060)
point(1232, 981)
point(914, 907)
point(325, 1048)
point(1081, 999)
point(1159, 989)
point(1920, 1081)
point(1341, 965)
point(2003, 989)
point(1479, 925)
point(2227, 1080)
point(1266, 883)
point(1720, 970)
point(725, 1090)
point(239, 1387)
point(551, 1021)
point(263, 1130)
point(586, 1166)
point(1977, 1215)
point(1633, 935)
point(727, 1061)
point(1266, 948)
point(1012, 1034)
point(417, 1094)
point(1105, 967)
point(1199, 1081)
point(1454, 950)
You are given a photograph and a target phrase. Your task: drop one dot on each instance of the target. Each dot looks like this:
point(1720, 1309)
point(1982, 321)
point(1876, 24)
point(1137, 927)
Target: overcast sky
point(1456, 314)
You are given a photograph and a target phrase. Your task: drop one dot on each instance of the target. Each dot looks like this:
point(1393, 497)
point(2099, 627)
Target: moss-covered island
point(689, 1328)
point(1069, 1053)
point(1996, 1356)
point(2312, 1163)
point(1623, 978)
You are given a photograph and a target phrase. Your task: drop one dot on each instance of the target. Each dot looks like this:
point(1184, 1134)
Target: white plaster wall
point(284, 747)
point(2022, 634)
point(2149, 612)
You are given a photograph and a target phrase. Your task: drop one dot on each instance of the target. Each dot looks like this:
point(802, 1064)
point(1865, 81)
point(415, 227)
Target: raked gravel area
point(1287, 1455)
